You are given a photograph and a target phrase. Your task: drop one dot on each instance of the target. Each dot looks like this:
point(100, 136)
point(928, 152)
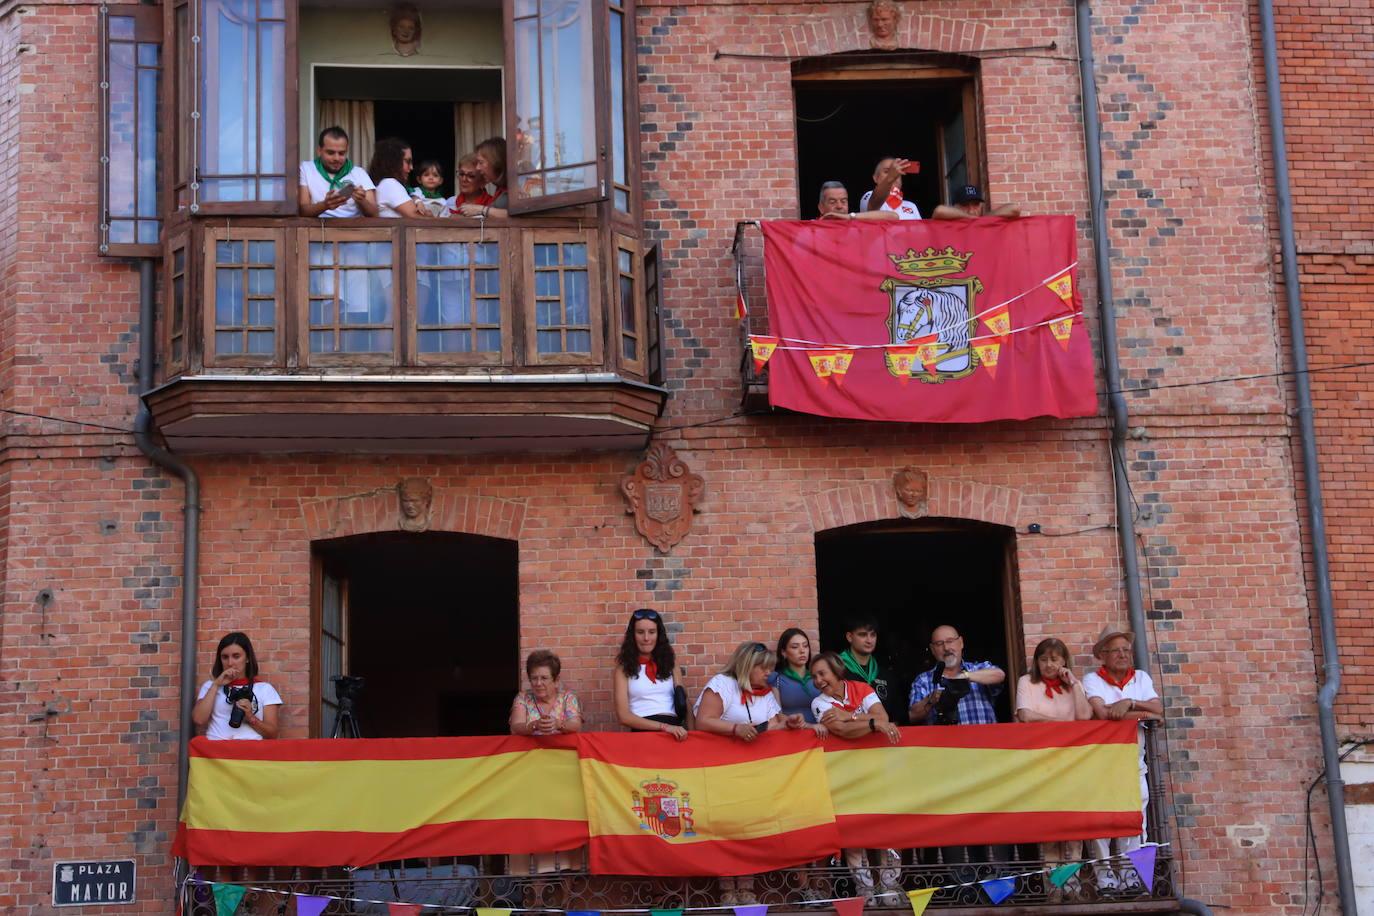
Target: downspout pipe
point(1106, 306)
point(190, 556)
point(1312, 479)
point(1196, 907)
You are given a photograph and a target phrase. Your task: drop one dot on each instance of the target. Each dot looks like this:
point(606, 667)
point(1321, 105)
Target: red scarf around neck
point(650, 667)
point(747, 692)
point(1053, 685)
point(1119, 685)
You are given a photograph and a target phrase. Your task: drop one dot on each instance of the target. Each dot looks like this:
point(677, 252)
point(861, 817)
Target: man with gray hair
point(834, 204)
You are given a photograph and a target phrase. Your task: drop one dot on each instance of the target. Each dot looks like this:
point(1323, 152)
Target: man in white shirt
point(834, 204)
point(1118, 690)
point(331, 185)
point(887, 189)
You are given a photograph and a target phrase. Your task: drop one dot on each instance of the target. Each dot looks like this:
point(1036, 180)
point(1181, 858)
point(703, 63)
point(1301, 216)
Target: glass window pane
point(262, 312)
point(489, 341)
point(147, 139)
point(321, 253)
point(629, 348)
point(262, 252)
point(321, 312)
point(488, 253)
point(229, 252)
point(575, 254)
point(148, 54)
point(321, 341)
point(321, 282)
point(122, 27)
point(426, 254)
point(619, 149)
point(354, 254)
point(550, 342)
point(488, 311)
point(579, 342)
point(622, 200)
point(121, 232)
point(547, 314)
point(454, 255)
point(122, 102)
point(262, 282)
point(147, 232)
point(546, 283)
point(575, 297)
point(624, 261)
point(262, 342)
point(228, 297)
point(228, 343)
point(545, 255)
point(627, 304)
point(489, 282)
point(242, 123)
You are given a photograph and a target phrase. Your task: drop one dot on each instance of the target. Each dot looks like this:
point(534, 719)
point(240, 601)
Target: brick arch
point(376, 510)
point(946, 497)
point(846, 29)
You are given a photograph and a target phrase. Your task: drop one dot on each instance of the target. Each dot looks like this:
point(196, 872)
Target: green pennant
point(227, 898)
point(1061, 875)
point(665, 913)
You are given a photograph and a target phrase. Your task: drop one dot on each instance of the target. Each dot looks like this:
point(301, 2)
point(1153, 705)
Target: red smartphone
point(912, 168)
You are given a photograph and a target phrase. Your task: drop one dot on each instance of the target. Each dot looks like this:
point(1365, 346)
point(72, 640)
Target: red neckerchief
point(746, 692)
point(241, 682)
point(482, 200)
point(650, 667)
point(894, 198)
point(1053, 685)
point(1119, 685)
point(852, 704)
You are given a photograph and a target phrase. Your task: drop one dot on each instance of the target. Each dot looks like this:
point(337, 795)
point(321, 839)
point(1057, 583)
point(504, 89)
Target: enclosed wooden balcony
point(407, 335)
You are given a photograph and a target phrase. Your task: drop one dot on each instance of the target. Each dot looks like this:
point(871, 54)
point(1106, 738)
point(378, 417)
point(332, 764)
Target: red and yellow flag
point(1062, 286)
point(356, 802)
point(999, 322)
point(840, 365)
point(822, 363)
point(708, 806)
point(901, 361)
point(1062, 328)
point(987, 784)
point(928, 349)
point(987, 356)
point(762, 348)
point(741, 307)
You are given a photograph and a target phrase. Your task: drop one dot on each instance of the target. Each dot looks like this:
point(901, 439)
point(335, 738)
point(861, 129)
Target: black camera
point(347, 687)
point(233, 694)
point(954, 689)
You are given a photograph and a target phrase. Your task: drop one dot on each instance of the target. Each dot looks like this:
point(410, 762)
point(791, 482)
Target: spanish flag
point(356, 802)
point(710, 805)
point(976, 784)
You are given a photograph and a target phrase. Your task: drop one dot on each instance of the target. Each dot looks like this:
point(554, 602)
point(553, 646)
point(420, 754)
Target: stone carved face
point(883, 18)
point(415, 496)
point(909, 485)
point(405, 30)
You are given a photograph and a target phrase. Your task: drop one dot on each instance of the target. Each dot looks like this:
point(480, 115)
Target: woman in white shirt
point(234, 704)
point(390, 167)
point(645, 692)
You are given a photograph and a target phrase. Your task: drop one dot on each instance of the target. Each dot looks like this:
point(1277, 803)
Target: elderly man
point(331, 185)
point(967, 203)
point(834, 204)
point(887, 189)
point(1118, 691)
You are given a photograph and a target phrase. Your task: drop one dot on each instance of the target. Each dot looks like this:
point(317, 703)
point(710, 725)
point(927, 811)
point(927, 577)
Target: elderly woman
point(491, 162)
point(546, 708)
point(852, 710)
point(1050, 692)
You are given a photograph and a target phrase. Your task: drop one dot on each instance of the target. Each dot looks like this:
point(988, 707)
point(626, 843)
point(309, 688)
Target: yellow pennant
point(762, 348)
point(999, 322)
point(842, 359)
point(901, 362)
point(1061, 328)
point(928, 350)
point(987, 355)
point(1063, 287)
point(919, 899)
point(822, 363)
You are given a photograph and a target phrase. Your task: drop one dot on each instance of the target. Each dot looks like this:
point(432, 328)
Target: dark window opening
point(913, 579)
point(427, 127)
point(430, 621)
point(845, 126)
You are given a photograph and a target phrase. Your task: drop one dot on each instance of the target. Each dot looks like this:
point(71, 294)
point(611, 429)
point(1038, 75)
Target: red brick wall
point(90, 520)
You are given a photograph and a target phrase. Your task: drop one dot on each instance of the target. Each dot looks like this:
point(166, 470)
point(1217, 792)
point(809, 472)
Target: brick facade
point(90, 674)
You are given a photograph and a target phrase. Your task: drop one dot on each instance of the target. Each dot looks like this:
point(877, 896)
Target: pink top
point(1032, 696)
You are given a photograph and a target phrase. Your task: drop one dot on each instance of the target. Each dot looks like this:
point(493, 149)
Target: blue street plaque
point(83, 883)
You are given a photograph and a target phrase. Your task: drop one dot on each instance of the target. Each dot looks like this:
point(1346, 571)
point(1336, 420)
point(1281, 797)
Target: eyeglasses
point(469, 174)
point(644, 614)
point(941, 643)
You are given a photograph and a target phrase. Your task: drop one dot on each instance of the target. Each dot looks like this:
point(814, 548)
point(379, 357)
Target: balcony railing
point(538, 328)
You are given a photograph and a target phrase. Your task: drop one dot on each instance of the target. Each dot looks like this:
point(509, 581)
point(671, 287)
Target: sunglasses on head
point(644, 614)
point(760, 647)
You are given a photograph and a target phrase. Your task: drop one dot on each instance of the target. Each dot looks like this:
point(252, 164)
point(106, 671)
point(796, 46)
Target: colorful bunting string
point(229, 896)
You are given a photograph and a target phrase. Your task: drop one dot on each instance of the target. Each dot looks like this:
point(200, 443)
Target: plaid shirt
point(974, 709)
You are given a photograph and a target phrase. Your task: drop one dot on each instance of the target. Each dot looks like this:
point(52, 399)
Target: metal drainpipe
point(1196, 907)
point(1316, 513)
point(1116, 401)
point(190, 558)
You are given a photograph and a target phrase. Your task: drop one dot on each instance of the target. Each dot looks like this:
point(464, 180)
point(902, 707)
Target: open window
point(849, 119)
point(130, 69)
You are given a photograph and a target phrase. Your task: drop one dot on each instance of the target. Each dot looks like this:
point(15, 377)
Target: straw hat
point(1108, 634)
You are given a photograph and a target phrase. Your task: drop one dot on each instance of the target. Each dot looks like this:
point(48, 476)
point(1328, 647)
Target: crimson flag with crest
point(872, 285)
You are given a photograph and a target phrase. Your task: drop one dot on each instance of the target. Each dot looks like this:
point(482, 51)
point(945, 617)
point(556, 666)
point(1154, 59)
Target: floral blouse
point(565, 706)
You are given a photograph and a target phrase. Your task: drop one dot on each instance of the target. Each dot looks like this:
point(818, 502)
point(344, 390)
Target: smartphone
point(761, 727)
point(345, 187)
point(912, 168)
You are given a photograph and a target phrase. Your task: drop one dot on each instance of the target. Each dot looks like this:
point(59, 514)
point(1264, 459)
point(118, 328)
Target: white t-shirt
point(319, 188)
point(264, 694)
point(735, 710)
point(907, 210)
point(856, 694)
point(651, 698)
point(1139, 688)
point(390, 195)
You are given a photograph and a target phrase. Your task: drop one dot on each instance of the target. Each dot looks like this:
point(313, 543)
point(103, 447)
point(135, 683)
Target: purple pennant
point(758, 909)
point(999, 889)
point(310, 905)
point(1144, 861)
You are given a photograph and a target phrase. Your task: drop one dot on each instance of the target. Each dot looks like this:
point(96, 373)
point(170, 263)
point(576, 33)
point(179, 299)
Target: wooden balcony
point(406, 336)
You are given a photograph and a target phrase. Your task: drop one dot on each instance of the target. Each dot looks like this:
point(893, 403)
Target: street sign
point(82, 883)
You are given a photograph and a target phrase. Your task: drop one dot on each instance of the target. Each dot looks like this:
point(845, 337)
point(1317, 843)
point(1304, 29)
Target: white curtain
point(474, 122)
point(355, 116)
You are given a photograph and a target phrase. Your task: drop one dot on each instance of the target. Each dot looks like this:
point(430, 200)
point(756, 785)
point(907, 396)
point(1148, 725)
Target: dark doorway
point(426, 126)
point(844, 127)
point(430, 621)
point(914, 579)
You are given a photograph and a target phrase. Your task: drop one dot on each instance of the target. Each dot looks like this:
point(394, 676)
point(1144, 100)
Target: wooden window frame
point(283, 268)
point(304, 237)
point(172, 364)
point(596, 304)
point(319, 694)
point(147, 30)
point(655, 334)
point(625, 243)
point(502, 239)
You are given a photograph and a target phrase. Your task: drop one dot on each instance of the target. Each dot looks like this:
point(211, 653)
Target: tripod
point(345, 721)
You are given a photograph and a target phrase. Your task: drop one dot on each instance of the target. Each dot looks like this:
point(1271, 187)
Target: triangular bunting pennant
point(919, 899)
point(665, 913)
point(492, 911)
point(1061, 875)
point(403, 909)
point(840, 366)
point(1061, 328)
point(1144, 861)
point(822, 363)
point(741, 307)
point(1063, 287)
point(762, 348)
point(310, 904)
point(227, 898)
point(999, 322)
point(851, 906)
point(584, 913)
point(987, 356)
point(757, 909)
point(999, 889)
point(901, 361)
point(928, 349)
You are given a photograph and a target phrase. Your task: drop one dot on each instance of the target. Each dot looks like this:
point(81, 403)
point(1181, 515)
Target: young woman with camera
point(647, 698)
point(234, 704)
